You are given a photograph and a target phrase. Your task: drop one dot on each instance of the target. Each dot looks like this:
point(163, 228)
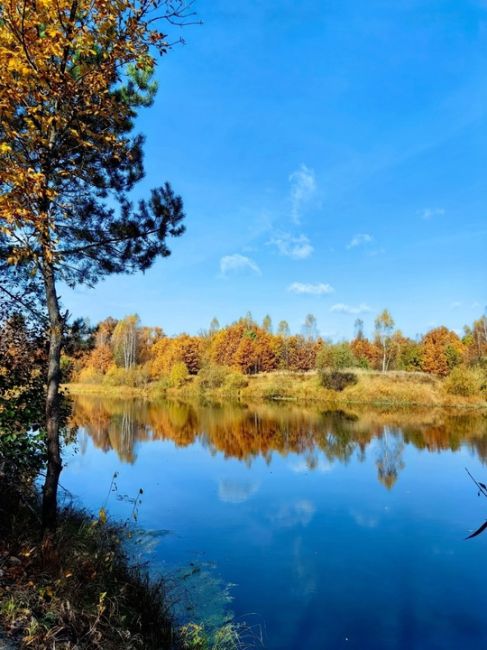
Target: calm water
point(319, 529)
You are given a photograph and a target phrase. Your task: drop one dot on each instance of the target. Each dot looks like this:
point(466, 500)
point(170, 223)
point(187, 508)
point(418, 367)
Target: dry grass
point(395, 388)
point(108, 391)
point(77, 589)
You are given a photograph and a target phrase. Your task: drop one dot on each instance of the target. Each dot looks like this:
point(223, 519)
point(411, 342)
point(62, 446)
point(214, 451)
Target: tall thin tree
point(74, 75)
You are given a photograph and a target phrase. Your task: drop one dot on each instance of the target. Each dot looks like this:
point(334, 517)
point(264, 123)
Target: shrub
point(275, 391)
point(136, 376)
point(235, 381)
point(335, 380)
point(466, 382)
point(179, 374)
point(213, 376)
point(89, 375)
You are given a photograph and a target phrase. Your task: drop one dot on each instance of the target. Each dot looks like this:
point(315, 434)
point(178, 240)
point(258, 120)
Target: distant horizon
point(330, 160)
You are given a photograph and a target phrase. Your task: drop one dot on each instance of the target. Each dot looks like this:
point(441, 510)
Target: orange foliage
point(166, 352)
point(247, 346)
point(441, 351)
point(365, 352)
point(301, 353)
point(251, 349)
point(100, 359)
point(58, 73)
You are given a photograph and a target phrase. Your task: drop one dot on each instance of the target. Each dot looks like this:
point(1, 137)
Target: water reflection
point(319, 437)
point(336, 529)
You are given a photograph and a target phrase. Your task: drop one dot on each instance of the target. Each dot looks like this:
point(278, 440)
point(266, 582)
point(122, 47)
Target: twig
point(481, 486)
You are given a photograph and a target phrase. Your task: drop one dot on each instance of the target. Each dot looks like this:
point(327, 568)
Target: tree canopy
point(74, 74)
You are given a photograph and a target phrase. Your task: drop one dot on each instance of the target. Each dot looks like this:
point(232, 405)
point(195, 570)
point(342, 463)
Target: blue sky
point(332, 157)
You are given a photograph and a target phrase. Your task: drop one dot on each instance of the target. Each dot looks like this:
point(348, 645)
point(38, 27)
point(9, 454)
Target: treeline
point(125, 352)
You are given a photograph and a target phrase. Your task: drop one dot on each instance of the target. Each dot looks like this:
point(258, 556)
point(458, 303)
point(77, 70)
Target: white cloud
point(363, 520)
point(340, 308)
point(299, 513)
point(303, 187)
point(317, 289)
point(235, 491)
point(237, 262)
point(297, 247)
point(429, 213)
point(456, 304)
point(362, 239)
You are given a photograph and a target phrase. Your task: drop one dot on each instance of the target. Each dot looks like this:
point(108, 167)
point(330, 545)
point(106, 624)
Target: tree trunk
point(54, 466)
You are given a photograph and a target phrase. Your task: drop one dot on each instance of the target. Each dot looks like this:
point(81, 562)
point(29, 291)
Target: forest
point(127, 353)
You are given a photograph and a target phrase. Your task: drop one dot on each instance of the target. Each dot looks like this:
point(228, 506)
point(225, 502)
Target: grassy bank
point(371, 388)
point(78, 590)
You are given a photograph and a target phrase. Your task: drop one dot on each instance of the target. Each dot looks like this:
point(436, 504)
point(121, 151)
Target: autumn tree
point(301, 353)
point(475, 340)
point(100, 359)
point(409, 355)
point(336, 356)
point(246, 357)
point(185, 349)
point(74, 75)
point(159, 354)
point(384, 326)
point(366, 352)
point(147, 337)
point(310, 328)
point(267, 323)
point(23, 358)
point(441, 351)
point(104, 331)
point(283, 328)
point(225, 343)
point(125, 341)
point(214, 325)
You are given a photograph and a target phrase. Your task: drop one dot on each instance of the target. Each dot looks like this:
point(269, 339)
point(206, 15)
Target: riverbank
point(78, 588)
point(397, 389)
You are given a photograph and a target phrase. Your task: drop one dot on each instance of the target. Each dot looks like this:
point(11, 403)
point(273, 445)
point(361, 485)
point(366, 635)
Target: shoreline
point(395, 389)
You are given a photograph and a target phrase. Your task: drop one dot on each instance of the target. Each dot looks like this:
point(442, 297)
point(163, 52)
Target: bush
point(179, 374)
point(213, 376)
point(235, 381)
point(338, 381)
point(89, 375)
point(466, 382)
point(275, 391)
point(135, 377)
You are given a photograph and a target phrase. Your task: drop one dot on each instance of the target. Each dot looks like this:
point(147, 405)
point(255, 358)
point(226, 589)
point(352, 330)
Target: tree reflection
point(246, 433)
point(389, 461)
